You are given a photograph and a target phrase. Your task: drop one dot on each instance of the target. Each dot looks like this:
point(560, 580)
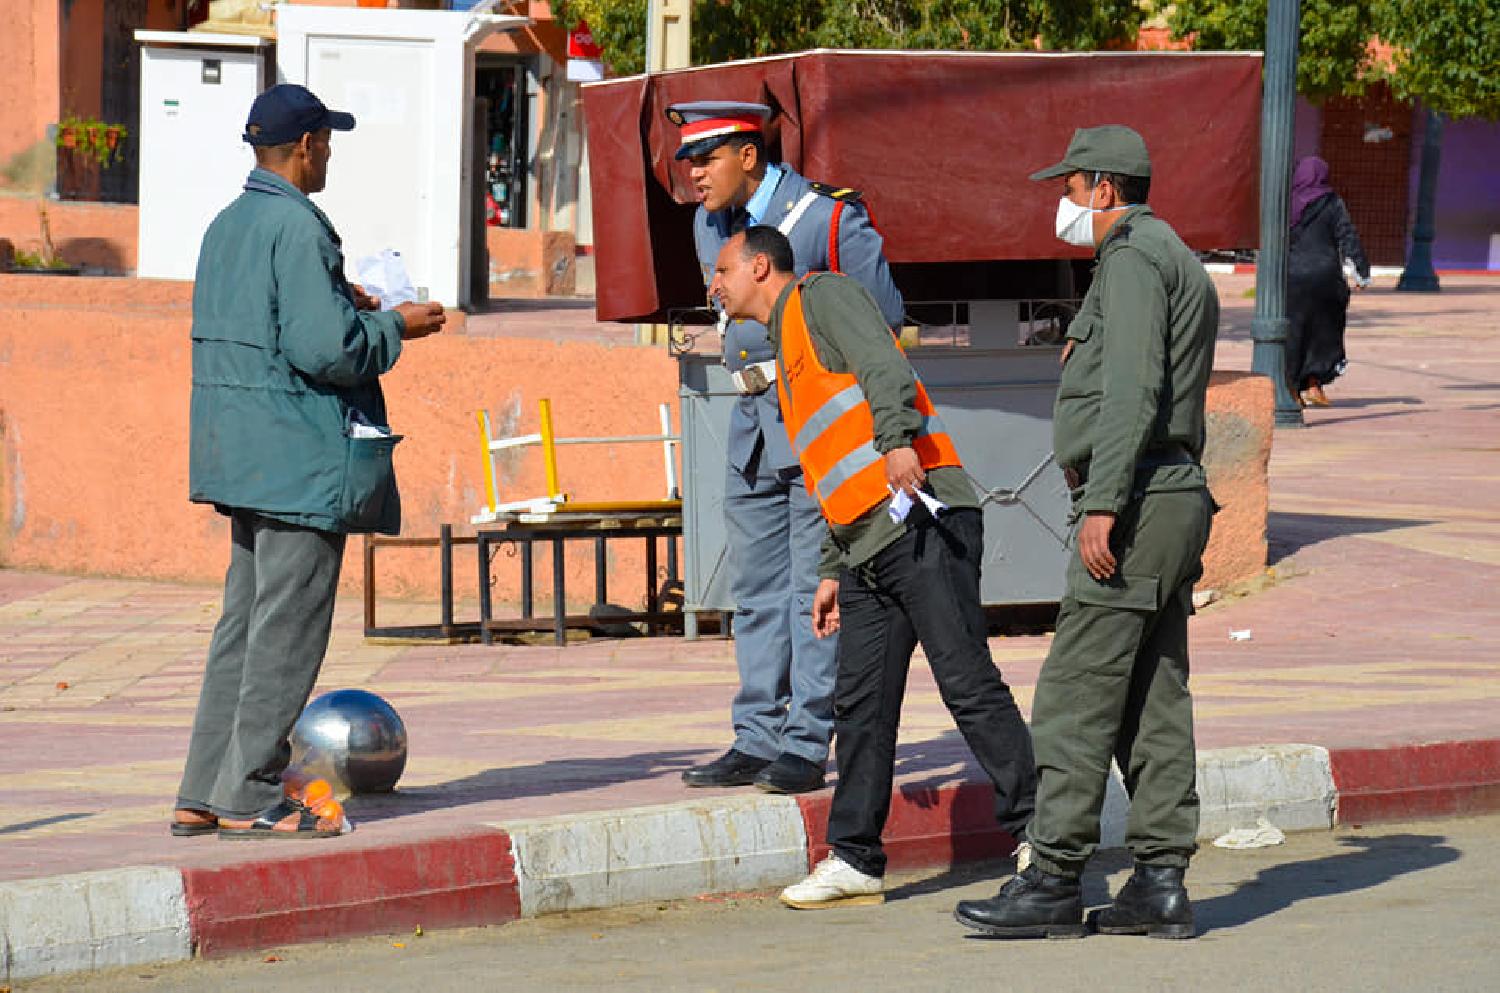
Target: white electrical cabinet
point(196, 90)
point(402, 179)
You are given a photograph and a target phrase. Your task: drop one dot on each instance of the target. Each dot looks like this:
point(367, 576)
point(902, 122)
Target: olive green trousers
point(1115, 686)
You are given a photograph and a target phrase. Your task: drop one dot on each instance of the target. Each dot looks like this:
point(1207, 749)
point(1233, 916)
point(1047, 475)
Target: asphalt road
point(1408, 907)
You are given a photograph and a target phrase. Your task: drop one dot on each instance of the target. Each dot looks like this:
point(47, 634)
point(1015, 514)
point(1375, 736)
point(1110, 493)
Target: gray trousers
point(775, 538)
point(262, 663)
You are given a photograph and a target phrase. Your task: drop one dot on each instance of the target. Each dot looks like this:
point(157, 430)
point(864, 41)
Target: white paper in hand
point(902, 503)
point(384, 276)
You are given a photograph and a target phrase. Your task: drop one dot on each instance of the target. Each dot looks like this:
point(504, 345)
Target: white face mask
point(1075, 224)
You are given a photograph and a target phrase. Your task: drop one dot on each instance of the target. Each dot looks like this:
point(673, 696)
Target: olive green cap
point(1108, 148)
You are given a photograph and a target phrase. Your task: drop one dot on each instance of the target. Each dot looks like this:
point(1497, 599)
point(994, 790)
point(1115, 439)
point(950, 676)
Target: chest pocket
point(1080, 373)
point(1081, 328)
point(1089, 320)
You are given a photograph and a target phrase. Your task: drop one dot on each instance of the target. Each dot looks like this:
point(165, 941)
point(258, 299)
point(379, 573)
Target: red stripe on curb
point(444, 882)
point(1248, 269)
point(1438, 780)
point(928, 826)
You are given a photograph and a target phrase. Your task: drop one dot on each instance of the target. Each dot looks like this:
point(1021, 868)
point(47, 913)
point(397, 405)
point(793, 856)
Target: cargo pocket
point(369, 482)
point(1119, 591)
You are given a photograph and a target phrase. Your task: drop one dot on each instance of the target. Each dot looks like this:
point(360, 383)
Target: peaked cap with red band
point(707, 124)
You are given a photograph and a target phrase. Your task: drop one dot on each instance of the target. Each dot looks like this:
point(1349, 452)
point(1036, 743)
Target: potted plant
point(85, 148)
point(91, 139)
point(44, 261)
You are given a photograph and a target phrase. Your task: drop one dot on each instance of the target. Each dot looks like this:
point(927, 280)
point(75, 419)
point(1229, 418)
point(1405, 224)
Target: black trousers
point(923, 588)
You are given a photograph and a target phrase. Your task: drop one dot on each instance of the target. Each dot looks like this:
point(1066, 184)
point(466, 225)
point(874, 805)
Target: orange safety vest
point(833, 431)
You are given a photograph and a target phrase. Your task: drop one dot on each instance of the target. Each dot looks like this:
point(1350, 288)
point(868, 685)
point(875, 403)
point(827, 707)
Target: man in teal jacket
point(290, 441)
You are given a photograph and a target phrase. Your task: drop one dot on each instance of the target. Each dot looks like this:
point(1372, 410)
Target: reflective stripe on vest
point(822, 419)
point(846, 400)
point(829, 422)
point(846, 469)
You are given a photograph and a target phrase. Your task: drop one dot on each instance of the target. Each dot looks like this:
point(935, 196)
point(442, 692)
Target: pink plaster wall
point(28, 75)
point(1241, 413)
point(99, 236)
point(94, 381)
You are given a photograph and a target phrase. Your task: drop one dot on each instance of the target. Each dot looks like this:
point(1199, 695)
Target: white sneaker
point(834, 883)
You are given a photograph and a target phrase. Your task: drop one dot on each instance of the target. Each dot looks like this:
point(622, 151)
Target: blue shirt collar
point(761, 199)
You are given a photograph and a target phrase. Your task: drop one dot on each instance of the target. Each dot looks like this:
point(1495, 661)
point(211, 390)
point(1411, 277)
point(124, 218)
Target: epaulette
point(842, 193)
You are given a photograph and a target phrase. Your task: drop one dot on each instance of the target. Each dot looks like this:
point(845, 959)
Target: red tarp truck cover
point(941, 144)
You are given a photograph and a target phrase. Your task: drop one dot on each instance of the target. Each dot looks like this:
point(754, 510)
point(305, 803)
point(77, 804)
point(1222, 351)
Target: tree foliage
point(1446, 52)
point(1334, 38)
point(737, 29)
point(978, 25)
point(1447, 55)
point(618, 27)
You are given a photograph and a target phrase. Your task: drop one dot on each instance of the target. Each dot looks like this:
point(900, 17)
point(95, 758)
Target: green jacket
point(850, 335)
point(281, 362)
point(1129, 411)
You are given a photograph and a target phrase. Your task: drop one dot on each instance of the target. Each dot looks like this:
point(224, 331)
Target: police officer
point(783, 712)
point(1128, 431)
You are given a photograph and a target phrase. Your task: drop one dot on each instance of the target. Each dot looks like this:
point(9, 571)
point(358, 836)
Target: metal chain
point(1005, 496)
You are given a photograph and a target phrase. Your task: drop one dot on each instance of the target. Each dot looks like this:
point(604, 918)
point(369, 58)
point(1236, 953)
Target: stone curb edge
point(720, 844)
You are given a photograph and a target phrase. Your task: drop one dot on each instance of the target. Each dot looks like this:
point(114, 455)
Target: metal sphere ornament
point(353, 739)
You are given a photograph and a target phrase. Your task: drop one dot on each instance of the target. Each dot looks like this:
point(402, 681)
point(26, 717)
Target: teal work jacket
point(283, 365)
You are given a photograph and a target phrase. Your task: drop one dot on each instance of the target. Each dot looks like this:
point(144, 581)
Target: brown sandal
point(202, 822)
point(309, 825)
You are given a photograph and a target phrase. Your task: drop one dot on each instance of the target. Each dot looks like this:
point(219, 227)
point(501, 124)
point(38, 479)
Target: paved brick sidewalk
point(1385, 524)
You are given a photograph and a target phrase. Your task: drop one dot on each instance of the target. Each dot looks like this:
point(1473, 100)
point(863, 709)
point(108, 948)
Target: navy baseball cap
point(286, 112)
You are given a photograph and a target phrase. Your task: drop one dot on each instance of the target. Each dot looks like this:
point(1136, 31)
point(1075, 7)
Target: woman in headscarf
point(1317, 284)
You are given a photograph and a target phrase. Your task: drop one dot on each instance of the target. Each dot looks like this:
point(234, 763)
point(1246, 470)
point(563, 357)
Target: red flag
point(581, 43)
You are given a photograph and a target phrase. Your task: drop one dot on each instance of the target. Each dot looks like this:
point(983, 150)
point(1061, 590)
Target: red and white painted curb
point(723, 843)
point(1376, 271)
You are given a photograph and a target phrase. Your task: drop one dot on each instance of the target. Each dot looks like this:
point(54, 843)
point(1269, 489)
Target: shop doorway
point(501, 86)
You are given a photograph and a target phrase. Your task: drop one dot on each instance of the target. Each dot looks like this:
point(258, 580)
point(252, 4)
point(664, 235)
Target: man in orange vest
point(901, 557)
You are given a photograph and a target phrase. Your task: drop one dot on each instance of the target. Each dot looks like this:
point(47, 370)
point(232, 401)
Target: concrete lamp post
point(1419, 275)
point(1269, 326)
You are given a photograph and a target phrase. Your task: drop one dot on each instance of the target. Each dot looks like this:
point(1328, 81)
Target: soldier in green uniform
point(1128, 432)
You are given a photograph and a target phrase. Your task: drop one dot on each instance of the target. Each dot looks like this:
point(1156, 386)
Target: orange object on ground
point(317, 796)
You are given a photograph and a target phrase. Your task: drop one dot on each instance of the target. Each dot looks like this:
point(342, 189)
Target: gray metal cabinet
point(997, 403)
point(706, 397)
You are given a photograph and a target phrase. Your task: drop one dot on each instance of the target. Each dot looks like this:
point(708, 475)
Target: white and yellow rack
point(556, 502)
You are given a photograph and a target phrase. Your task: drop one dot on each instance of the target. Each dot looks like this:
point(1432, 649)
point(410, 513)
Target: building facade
point(73, 65)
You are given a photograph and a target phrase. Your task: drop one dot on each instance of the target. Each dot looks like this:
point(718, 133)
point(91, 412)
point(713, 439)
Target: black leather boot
point(1152, 902)
point(1034, 904)
point(733, 768)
